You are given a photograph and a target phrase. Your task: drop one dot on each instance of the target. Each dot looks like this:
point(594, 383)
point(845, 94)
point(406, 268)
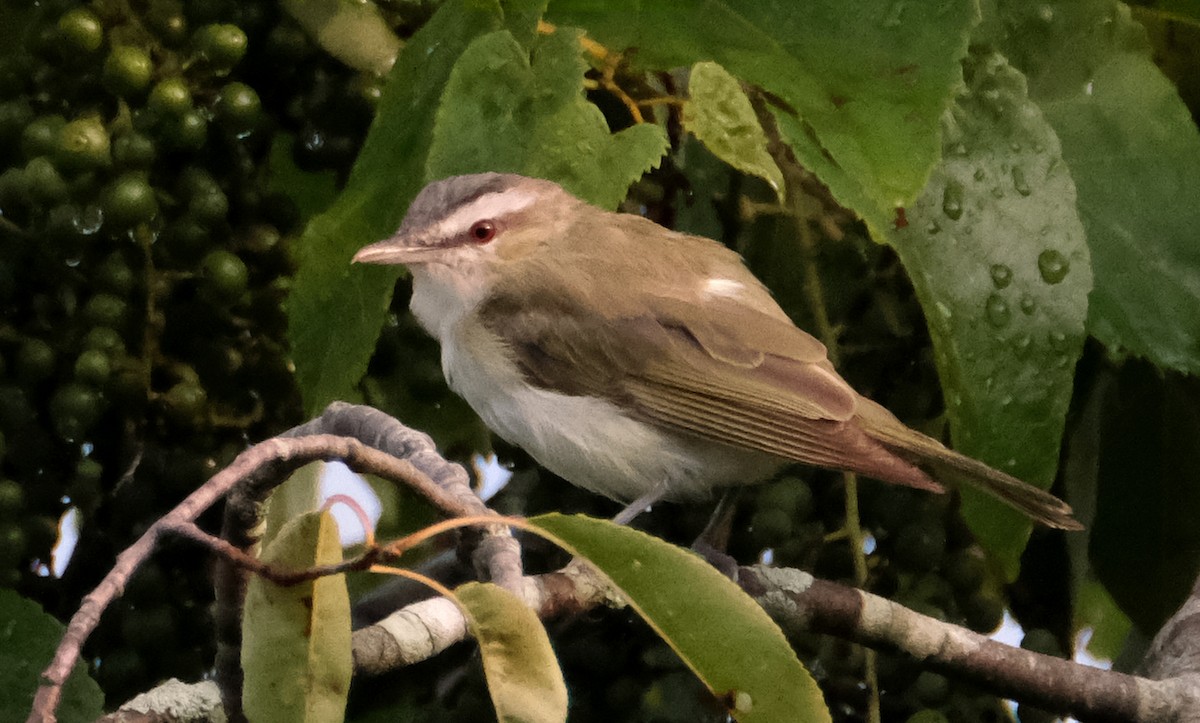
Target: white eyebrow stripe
point(487, 206)
point(717, 286)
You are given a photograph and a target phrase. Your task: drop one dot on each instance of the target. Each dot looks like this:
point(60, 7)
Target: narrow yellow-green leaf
point(296, 639)
point(717, 630)
point(296, 496)
point(523, 676)
point(719, 114)
point(353, 32)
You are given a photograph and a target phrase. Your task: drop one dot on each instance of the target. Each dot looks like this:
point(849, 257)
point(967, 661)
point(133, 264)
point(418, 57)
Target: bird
point(642, 363)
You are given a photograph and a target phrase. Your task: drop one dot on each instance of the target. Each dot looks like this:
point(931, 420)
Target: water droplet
point(980, 174)
point(952, 198)
point(742, 702)
point(997, 192)
point(933, 228)
point(1014, 147)
point(1028, 305)
point(942, 309)
point(1058, 341)
point(1006, 400)
point(1053, 266)
point(1001, 275)
point(1021, 345)
point(959, 149)
point(1046, 13)
point(998, 313)
point(89, 220)
point(1020, 182)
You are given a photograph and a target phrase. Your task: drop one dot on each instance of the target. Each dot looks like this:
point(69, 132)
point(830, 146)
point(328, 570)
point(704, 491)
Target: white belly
point(587, 441)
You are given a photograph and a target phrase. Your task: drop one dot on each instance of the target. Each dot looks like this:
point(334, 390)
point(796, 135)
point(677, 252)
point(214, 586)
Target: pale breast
point(588, 441)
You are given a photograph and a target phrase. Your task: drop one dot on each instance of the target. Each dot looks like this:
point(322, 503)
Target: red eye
point(483, 231)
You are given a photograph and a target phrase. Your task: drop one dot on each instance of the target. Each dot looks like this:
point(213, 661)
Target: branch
point(368, 442)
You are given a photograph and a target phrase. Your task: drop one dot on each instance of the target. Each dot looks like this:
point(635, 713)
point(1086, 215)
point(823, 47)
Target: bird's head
point(472, 225)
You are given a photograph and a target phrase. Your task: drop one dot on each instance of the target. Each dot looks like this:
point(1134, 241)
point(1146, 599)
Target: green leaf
point(717, 630)
point(335, 311)
point(719, 114)
point(355, 33)
point(1095, 609)
point(865, 82)
point(996, 253)
point(503, 111)
point(28, 639)
point(1145, 543)
point(523, 676)
point(312, 192)
point(1134, 150)
point(296, 639)
point(300, 493)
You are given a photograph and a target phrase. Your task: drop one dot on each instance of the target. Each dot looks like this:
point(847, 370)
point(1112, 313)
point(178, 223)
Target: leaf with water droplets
point(1134, 150)
point(1007, 375)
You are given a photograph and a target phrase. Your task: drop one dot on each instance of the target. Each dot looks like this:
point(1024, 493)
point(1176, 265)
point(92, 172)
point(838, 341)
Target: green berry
point(80, 31)
point(238, 108)
point(74, 408)
point(35, 361)
point(983, 612)
point(966, 570)
point(40, 137)
point(83, 144)
point(170, 97)
point(12, 498)
point(771, 526)
point(106, 310)
point(927, 715)
point(127, 70)
point(209, 205)
point(133, 151)
point(12, 545)
point(129, 200)
point(93, 367)
point(15, 114)
point(115, 275)
point(1041, 640)
point(105, 339)
point(224, 277)
point(185, 402)
point(920, 546)
point(188, 132)
point(221, 45)
point(43, 181)
point(790, 494)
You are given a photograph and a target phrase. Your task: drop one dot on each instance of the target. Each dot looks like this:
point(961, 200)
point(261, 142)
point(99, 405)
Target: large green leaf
point(296, 639)
point(1145, 544)
point(335, 311)
point(502, 111)
point(997, 255)
point(1135, 153)
point(865, 82)
point(717, 630)
point(523, 676)
point(28, 637)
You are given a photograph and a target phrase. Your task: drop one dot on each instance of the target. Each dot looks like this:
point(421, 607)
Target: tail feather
point(922, 450)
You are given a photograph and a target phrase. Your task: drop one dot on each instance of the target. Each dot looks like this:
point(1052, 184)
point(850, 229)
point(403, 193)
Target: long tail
point(925, 451)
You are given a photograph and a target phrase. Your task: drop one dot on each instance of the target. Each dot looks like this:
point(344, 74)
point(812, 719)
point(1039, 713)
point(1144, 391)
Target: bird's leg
point(638, 506)
point(714, 539)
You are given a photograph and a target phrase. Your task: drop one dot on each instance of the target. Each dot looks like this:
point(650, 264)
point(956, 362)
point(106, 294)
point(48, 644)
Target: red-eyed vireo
point(638, 362)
